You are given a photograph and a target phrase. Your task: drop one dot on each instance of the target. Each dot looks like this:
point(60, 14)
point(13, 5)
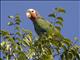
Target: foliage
point(20, 45)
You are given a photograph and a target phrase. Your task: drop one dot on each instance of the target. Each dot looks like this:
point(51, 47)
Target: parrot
point(41, 25)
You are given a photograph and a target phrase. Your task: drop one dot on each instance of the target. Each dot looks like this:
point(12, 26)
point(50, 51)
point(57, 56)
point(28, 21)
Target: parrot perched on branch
point(40, 24)
point(42, 27)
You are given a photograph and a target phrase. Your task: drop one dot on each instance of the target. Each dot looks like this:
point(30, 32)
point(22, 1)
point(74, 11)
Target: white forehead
point(30, 10)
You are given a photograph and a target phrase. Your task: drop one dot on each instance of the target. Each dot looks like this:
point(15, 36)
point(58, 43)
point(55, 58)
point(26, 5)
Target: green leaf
point(10, 39)
point(52, 15)
point(28, 40)
point(25, 31)
point(67, 42)
point(3, 43)
point(58, 27)
point(60, 23)
point(18, 33)
point(11, 17)
point(78, 57)
point(55, 43)
point(7, 47)
point(60, 10)
point(20, 48)
point(10, 23)
point(60, 19)
point(8, 57)
point(17, 20)
point(66, 55)
point(30, 53)
point(70, 55)
point(73, 52)
point(1, 59)
point(4, 33)
point(17, 28)
point(22, 56)
point(58, 35)
point(47, 57)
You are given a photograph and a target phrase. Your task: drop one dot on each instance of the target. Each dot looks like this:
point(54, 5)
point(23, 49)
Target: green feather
point(41, 26)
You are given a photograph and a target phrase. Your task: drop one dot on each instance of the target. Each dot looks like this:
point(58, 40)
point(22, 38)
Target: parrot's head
point(32, 14)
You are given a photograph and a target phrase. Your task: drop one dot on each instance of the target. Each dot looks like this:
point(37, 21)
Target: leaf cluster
point(20, 45)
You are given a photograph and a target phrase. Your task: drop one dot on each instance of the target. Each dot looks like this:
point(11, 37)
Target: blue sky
point(71, 17)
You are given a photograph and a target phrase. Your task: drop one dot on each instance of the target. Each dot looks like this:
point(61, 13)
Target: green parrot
point(40, 24)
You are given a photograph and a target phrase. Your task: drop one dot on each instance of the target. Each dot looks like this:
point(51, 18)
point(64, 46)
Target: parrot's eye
point(32, 11)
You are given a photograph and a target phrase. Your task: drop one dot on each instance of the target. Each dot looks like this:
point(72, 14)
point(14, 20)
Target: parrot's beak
point(28, 15)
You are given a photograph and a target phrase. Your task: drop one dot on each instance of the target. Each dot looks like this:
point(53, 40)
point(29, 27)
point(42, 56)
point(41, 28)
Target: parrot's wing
point(42, 25)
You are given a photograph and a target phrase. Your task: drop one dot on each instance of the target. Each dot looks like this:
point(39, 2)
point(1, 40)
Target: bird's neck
point(35, 19)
